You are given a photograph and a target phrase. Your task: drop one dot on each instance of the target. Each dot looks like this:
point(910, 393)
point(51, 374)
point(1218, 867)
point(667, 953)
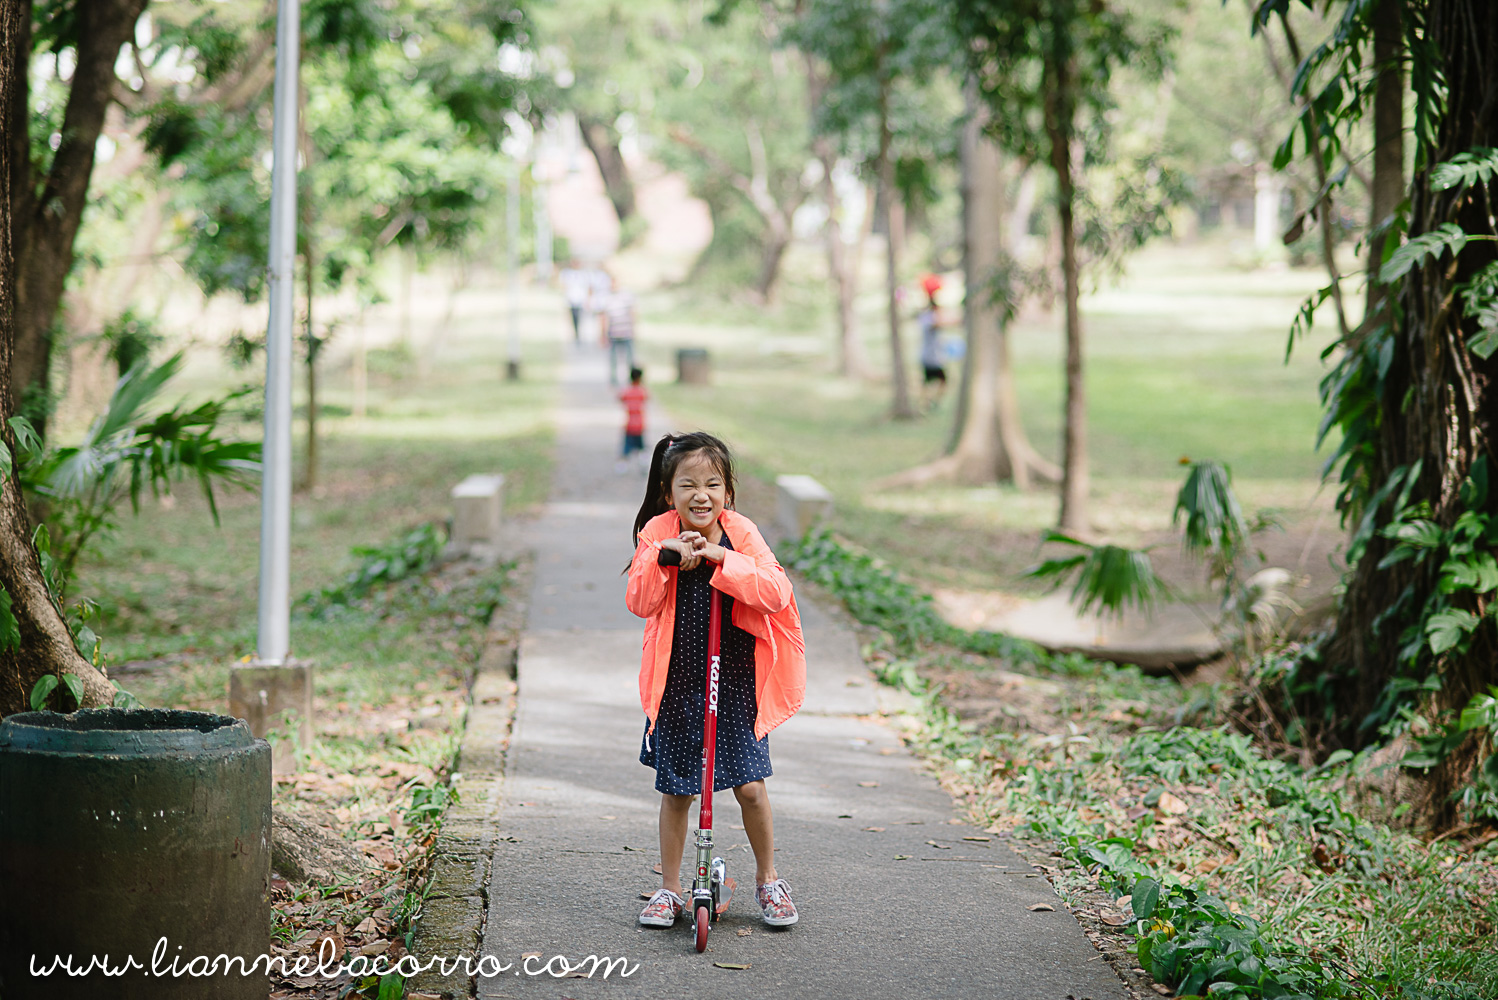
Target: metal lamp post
point(274, 636)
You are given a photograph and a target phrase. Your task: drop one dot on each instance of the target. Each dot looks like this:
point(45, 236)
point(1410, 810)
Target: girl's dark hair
point(670, 452)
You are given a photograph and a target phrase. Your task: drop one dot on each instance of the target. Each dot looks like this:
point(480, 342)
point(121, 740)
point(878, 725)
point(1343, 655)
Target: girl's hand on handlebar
point(702, 548)
point(689, 558)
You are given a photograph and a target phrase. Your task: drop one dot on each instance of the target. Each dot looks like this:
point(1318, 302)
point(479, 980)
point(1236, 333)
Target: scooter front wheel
point(701, 921)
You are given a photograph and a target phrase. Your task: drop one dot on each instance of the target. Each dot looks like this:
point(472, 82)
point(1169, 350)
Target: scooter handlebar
point(668, 557)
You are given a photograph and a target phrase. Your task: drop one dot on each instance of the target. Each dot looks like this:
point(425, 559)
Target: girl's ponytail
point(656, 501)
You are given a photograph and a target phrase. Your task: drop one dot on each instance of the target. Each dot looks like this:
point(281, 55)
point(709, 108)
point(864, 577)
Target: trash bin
point(119, 828)
point(692, 366)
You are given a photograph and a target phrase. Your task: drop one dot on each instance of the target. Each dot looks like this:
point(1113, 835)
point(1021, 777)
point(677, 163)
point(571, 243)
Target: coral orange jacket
point(763, 606)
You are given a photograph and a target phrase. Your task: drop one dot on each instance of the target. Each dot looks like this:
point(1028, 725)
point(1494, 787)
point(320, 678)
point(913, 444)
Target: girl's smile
point(698, 492)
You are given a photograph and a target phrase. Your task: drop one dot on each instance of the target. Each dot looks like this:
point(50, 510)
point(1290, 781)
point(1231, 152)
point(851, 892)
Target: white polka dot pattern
point(675, 748)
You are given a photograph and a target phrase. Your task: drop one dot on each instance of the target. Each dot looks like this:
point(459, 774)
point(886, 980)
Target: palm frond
point(1215, 525)
point(1109, 578)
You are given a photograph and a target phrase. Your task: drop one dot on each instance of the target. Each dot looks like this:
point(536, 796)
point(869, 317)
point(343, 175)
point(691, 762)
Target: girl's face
point(698, 492)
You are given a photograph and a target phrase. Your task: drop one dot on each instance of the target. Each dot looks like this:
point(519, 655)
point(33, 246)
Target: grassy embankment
point(1185, 849)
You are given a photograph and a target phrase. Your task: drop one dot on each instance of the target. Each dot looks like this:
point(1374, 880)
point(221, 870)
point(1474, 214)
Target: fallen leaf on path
point(530, 954)
point(868, 784)
point(902, 857)
point(646, 893)
point(944, 847)
point(1114, 919)
point(745, 931)
point(873, 829)
point(732, 965)
point(886, 751)
point(981, 840)
point(656, 867)
point(1047, 907)
point(375, 948)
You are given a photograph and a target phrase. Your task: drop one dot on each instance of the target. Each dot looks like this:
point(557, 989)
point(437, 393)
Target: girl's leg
point(675, 810)
point(754, 801)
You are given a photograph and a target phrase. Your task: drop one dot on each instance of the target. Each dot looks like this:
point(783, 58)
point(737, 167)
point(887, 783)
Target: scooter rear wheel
point(701, 921)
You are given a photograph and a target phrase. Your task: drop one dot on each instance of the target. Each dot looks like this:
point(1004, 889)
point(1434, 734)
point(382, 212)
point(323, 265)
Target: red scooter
point(711, 886)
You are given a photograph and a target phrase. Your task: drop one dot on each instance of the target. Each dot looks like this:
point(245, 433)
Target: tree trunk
point(47, 211)
point(1435, 410)
point(45, 646)
point(1074, 482)
point(777, 237)
point(842, 264)
point(603, 142)
point(988, 442)
point(900, 408)
point(1388, 144)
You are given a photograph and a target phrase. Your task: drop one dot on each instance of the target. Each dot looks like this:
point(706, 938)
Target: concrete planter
point(119, 828)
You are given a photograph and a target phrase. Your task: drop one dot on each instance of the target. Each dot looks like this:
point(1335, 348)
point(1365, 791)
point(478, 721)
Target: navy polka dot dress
point(675, 748)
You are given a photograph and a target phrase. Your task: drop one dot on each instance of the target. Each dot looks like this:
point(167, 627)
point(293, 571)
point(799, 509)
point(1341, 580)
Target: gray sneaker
point(775, 900)
point(662, 910)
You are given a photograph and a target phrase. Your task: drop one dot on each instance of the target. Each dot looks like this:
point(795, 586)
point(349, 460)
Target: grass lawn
point(1185, 358)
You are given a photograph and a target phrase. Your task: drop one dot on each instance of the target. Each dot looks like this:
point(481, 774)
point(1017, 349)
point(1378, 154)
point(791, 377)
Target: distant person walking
point(577, 286)
point(933, 364)
point(600, 287)
point(634, 398)
point(619, 324)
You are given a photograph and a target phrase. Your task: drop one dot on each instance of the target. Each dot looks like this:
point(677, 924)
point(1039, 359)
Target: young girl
point(688, 509)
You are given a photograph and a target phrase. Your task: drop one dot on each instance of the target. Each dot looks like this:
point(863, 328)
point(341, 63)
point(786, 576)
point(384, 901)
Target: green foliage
point(130, 339)
point(1447, 236)
point(877, 596)
point(428, 803)
point(1110, 578)
point(1215, 528)
point(404, 106)
point(1018, 45)
point(10, 629)
point(1467, 571)
point(1476, 166)
point(414, 552)
point(46, 684)
point(126, 450)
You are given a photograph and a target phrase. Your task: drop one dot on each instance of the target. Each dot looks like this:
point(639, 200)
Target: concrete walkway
point(894, 901)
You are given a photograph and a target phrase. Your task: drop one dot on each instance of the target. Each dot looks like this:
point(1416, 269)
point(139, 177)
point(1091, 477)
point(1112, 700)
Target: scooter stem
point(709, 744)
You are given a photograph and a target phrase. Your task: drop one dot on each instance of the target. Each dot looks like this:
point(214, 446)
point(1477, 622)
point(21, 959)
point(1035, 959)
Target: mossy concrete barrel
point(121, 828)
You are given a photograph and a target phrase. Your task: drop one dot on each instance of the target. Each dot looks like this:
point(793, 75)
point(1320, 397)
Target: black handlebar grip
point(668, 557)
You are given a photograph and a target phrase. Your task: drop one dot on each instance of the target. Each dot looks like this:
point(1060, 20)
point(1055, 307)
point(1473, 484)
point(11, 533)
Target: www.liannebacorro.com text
point(324, 966)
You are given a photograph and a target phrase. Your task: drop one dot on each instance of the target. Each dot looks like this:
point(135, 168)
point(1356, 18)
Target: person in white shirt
point(619, 320)
point(577, 285)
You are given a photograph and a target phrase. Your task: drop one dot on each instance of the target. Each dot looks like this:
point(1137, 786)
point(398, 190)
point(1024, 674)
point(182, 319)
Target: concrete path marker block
point(478, 510)
point(275, 697)
point(801, 501)
point(693, 366)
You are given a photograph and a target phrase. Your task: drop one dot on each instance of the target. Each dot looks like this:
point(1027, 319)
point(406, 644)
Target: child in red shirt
point(634, 398)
